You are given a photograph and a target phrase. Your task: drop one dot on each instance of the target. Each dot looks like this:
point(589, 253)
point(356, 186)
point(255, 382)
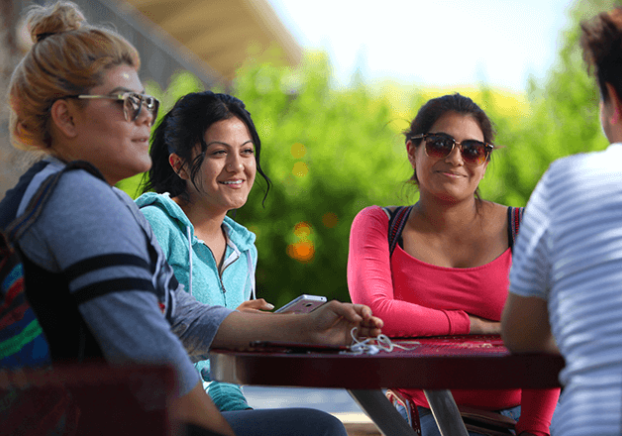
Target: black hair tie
point(42, 36)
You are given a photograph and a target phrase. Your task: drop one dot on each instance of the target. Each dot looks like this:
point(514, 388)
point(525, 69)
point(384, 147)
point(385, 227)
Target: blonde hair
point(68, 57)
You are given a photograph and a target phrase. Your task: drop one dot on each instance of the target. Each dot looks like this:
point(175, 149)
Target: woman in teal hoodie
point(205, 155)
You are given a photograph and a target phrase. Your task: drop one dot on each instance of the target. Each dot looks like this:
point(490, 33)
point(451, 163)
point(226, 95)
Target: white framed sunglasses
point(133, 103)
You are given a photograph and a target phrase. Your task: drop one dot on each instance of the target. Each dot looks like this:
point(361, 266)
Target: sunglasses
point(133, 103)
point(438, 146)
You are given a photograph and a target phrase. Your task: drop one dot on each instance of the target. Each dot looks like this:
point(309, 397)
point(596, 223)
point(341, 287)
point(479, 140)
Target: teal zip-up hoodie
point(230, 287)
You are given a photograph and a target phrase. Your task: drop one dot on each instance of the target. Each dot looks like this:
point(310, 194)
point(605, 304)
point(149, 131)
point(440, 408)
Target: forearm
point(404, 319)
point(525, 325)
point(240, 328)
point(537, 407)
point(329, 324)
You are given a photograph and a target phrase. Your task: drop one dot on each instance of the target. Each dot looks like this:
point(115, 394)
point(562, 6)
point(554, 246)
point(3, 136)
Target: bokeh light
point(298, 150)
point(330, 220)
point(300, 169)
point(302, 230)
point(302, 251)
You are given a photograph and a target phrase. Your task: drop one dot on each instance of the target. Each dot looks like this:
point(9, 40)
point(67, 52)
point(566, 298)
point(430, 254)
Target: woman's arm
point(525, 317)
point(330, 324)
point(370, 283)
point(537, 407)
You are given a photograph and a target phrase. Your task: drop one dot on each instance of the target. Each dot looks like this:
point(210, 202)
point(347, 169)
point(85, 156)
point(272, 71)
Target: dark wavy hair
point(182, 129)
point(435, 108)
point(601, 41)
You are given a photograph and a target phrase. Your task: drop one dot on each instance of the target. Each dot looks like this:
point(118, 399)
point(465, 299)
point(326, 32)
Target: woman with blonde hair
point(95, 276)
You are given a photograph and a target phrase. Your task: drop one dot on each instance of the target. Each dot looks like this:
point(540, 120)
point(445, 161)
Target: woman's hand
point(256, 306)
point(332, 322)
point(483, 326)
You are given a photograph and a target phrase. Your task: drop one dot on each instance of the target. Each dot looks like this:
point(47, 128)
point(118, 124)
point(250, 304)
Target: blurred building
point(210, 38)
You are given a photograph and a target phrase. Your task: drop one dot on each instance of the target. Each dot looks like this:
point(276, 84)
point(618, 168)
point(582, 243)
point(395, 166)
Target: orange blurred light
point(302, 251)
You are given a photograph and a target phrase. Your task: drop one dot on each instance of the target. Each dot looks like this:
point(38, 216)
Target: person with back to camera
point(205, 154)
point(447, 275)
point(565, 280)
point(95, 275)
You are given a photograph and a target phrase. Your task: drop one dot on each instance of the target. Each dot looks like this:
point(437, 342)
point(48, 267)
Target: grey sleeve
point(89, 235)
point(196, 324)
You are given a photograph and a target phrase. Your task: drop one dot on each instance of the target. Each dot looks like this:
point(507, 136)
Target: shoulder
point(585, 166)
point(161, 211)
point(494, 212)
point(374, 212)
point(239, 234)
point(79, 193)
point(369, 219)
point(84, 217)
point(151, 203)
point(576, 181)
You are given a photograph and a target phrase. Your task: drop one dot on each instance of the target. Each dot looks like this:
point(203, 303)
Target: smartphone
point(303, 304)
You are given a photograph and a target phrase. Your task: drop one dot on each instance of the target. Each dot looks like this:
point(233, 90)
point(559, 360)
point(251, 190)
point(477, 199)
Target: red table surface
point(448, 362)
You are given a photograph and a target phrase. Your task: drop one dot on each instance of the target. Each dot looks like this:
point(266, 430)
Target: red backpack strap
point(515, 216)
point(397, 221)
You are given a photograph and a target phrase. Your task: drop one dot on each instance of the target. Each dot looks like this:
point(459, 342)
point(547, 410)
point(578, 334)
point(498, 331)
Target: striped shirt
point(569, 252)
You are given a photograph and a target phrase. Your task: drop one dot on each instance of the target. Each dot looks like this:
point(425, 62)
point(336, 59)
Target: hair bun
point(44, 21)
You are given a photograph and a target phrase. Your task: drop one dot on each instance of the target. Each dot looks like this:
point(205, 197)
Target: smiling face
point(118, 148)
point(228, 171)
point(449, 178)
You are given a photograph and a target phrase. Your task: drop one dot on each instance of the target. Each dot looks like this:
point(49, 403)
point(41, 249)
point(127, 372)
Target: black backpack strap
point(515, 216)
point(397, 221)
point(35, 207)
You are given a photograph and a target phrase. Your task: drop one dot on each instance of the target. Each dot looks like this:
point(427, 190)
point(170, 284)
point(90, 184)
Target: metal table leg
point(446, 412)
point(381, 411)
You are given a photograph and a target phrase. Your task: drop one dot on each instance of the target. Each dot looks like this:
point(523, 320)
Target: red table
point(434, 364)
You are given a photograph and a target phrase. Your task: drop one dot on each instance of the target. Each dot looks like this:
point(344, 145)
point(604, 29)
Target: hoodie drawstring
point(189, 258)
point(251, 275)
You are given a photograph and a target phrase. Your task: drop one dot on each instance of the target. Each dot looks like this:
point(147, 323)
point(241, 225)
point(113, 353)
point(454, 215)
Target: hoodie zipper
point(222, 285)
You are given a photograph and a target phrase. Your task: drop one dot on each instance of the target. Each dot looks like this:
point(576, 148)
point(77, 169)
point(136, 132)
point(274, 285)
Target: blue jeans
point(428, 424)
point(284, 422)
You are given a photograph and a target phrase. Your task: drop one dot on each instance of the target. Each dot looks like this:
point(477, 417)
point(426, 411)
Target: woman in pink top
point(448, 274)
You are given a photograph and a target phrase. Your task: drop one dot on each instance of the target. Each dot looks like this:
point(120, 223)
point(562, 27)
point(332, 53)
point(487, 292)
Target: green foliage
point(331, 152)
point(563, 119)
